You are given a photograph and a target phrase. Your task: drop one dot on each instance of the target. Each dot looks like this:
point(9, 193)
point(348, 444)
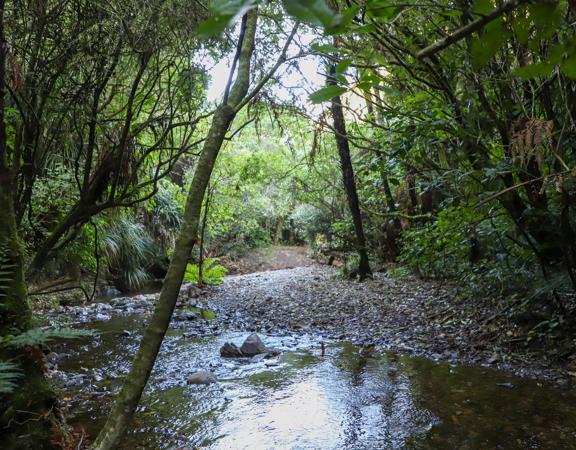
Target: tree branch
point(473, 26)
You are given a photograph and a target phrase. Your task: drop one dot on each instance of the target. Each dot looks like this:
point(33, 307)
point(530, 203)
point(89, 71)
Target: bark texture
point(349, 181)
point(27, 418)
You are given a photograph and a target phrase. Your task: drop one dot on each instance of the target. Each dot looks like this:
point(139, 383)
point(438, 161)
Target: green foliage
point(223, 13)
point(315, 12)
point(6, 268)
point(445, 249)
point(212, 272)
point(310, 221)
point(350, 267)
point(128, 250)
point(485, 46)
point(9, 371)
point(9, 374)
point(327, 93)
point(39, 336)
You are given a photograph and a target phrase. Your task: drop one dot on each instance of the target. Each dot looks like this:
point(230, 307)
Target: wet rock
point(193, 292)
point(54, 357)
point(229, 350)
point(253, 345)
point(202, 377)
point(258, 358)
point(120, 302)
point(110, 292)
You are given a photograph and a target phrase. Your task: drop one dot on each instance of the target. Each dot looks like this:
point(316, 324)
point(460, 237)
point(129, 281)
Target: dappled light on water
point(347, 399)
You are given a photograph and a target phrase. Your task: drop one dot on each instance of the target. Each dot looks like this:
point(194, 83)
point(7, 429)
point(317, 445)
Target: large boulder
point(229, 350)
point(202, 377)
point(253, 345)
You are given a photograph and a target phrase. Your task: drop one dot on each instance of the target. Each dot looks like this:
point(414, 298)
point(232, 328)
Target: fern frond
point(212, 272)
point(37, 336)
point(6, 268)
point(9, 373)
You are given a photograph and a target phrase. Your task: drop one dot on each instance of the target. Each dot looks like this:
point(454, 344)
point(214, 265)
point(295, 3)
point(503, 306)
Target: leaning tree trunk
point(27, 413)
point(134, 384)
point(343, 145)
point(202, 239)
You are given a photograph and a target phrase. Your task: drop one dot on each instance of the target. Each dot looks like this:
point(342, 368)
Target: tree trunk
point(143, 363)
point(343, 145)
point(27, 414)
point(202, 237)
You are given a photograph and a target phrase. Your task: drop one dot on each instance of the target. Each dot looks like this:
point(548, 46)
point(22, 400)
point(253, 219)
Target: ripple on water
point(344, 400)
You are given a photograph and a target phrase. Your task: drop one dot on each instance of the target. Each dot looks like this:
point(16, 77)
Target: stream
point(346, 399)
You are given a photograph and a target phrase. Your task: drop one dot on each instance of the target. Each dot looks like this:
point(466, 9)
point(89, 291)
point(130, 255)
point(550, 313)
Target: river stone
point(202, 377)
point(253, 345)
point(229, 350)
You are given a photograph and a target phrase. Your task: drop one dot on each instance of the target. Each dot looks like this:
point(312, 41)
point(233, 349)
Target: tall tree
point(27, 414)
point(348, 179)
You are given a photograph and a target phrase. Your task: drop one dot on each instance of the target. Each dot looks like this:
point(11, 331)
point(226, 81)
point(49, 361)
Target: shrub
point(212, 272)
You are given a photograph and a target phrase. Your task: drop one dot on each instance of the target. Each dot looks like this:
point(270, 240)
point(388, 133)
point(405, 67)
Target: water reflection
point(301, 400)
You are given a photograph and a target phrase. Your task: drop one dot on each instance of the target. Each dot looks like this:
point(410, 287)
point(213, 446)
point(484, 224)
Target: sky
point(311, 68)
point(308, 79)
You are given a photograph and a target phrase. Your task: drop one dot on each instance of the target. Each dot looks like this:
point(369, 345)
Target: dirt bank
point(269, 258)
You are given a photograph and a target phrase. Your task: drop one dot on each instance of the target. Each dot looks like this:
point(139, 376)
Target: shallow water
point(302, 400)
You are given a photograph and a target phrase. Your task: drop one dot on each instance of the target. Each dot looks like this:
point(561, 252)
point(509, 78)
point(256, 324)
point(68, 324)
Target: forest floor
point(406, 314)
point(270, 258)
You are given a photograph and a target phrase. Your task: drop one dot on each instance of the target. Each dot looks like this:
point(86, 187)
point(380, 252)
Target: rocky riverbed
point(342, 364)
point(407, 315)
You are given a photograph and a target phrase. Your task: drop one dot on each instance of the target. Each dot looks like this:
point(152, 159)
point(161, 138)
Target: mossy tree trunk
point(135, 382)
point(27, 414)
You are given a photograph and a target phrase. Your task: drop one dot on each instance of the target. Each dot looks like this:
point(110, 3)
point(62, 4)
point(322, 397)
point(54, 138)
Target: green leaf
point(557, 54)
point(326, 93)
point(212, 272)
point(483, 7)
point(213, 26)
point(521, 27)
point(568, 67)
point(9, 373)
point(37, 336)
point(315, 12)
point(381, 9)
point(547, 16)
point(207, 314)
point(364, 28)
point(364, 85)
point(536, 70)
point(224, 12)
point(343, 65)
point(485, 46)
